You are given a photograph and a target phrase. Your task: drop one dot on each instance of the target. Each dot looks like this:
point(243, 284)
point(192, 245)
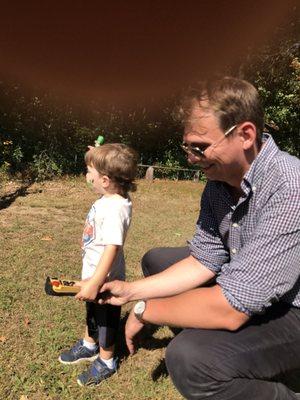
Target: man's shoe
point(97, 372)
point(78, 353)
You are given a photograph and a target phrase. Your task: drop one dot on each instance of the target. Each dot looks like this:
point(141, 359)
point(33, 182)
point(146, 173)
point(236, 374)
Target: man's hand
point(88, 291)
point(132, 328)
point(117, 293)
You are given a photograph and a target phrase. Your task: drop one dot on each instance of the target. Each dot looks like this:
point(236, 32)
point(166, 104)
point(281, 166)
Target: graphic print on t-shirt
point(89, 228)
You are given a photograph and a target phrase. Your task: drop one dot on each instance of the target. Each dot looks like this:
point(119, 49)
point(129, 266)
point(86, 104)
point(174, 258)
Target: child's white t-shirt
point(107, 223)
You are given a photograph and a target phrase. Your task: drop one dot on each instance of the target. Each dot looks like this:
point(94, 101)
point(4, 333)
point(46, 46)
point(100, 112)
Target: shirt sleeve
point(207, 245)
point(267, 267)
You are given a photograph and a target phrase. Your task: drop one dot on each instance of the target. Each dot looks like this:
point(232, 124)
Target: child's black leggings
point(103, 323)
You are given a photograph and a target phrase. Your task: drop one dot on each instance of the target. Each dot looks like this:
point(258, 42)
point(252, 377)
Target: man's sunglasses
point(198, 151)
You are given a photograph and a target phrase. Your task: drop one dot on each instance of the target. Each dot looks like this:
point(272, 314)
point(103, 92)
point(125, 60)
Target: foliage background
point(41, 137)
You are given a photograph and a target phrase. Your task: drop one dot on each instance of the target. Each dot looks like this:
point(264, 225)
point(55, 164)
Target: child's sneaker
point(97, 372)
point(78, 353)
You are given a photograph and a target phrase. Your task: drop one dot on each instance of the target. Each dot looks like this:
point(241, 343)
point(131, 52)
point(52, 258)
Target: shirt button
point(233, 251)
point(253, 188)
point(235, 225)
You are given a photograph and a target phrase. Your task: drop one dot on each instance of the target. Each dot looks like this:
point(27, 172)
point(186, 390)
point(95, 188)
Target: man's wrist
point(131, 294)
point(139, 310)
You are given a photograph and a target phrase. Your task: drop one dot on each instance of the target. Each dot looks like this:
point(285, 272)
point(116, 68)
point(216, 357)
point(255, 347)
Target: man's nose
point(192, 159)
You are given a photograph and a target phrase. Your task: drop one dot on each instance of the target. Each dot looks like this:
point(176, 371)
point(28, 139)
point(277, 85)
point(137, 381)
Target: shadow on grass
point(146, 341)
point(8, 199)
point(160, 371)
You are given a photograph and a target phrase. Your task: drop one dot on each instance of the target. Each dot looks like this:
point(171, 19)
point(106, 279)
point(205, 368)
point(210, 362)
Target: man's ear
point(248, 134)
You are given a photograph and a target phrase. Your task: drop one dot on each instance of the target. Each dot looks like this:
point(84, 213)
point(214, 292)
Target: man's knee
point(179, 366)
point(148, 262)
point(192, 368)
point(160, 258)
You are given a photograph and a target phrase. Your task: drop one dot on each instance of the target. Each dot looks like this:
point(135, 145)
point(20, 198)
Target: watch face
point(139, 308)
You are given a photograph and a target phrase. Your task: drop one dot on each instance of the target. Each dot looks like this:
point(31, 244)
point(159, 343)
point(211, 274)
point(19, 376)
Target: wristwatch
point(139, 309)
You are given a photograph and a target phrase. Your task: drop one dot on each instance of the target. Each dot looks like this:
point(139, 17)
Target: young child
point(111, 169)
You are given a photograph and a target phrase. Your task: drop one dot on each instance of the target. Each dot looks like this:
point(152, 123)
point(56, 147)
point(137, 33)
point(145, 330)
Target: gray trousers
point(249, 364)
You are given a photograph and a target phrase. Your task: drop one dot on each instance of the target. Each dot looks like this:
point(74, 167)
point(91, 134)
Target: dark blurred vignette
point(123, 52)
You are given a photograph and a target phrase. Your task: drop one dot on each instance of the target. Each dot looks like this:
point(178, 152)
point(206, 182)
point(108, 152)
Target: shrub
point(45, 167)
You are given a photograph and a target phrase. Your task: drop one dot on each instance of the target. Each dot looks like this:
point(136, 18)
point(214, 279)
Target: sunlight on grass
point(40, 236)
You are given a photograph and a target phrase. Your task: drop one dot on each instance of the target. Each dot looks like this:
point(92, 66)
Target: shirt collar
point(260, 163)
point(255, 173)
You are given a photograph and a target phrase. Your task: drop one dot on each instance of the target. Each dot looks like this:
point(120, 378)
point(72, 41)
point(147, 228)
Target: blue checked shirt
point(253, 246)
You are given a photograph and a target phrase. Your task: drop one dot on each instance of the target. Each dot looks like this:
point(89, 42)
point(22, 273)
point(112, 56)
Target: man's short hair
point(232, 100)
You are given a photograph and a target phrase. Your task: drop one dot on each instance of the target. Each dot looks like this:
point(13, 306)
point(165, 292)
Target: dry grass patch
point(40, 236)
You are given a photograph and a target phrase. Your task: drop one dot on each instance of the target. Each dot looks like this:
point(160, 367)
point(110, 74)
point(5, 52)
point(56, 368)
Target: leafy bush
point(4, 172)
point(37, 130)
point(275, 71)
point(44, 167)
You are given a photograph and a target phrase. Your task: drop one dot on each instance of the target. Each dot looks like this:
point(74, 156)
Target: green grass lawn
point(40, 236)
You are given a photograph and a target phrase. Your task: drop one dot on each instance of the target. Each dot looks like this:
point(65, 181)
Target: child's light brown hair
point(118, 162)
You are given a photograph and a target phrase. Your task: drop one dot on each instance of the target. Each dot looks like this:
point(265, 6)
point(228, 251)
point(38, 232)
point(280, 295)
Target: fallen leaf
point(23, 397)
point(47, 238)
point(26, 321)
point(3, 339)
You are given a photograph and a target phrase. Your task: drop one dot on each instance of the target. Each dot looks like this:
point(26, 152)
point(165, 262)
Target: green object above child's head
point(99, 141)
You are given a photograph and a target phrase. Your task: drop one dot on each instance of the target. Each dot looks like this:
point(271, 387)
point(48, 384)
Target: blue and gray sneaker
point(78, 353)
point(97, 372)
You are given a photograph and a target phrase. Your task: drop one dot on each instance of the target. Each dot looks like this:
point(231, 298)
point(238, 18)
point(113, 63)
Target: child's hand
point(89, 290)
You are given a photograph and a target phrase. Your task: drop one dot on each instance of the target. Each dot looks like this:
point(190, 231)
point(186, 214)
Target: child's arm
point(90, 288)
